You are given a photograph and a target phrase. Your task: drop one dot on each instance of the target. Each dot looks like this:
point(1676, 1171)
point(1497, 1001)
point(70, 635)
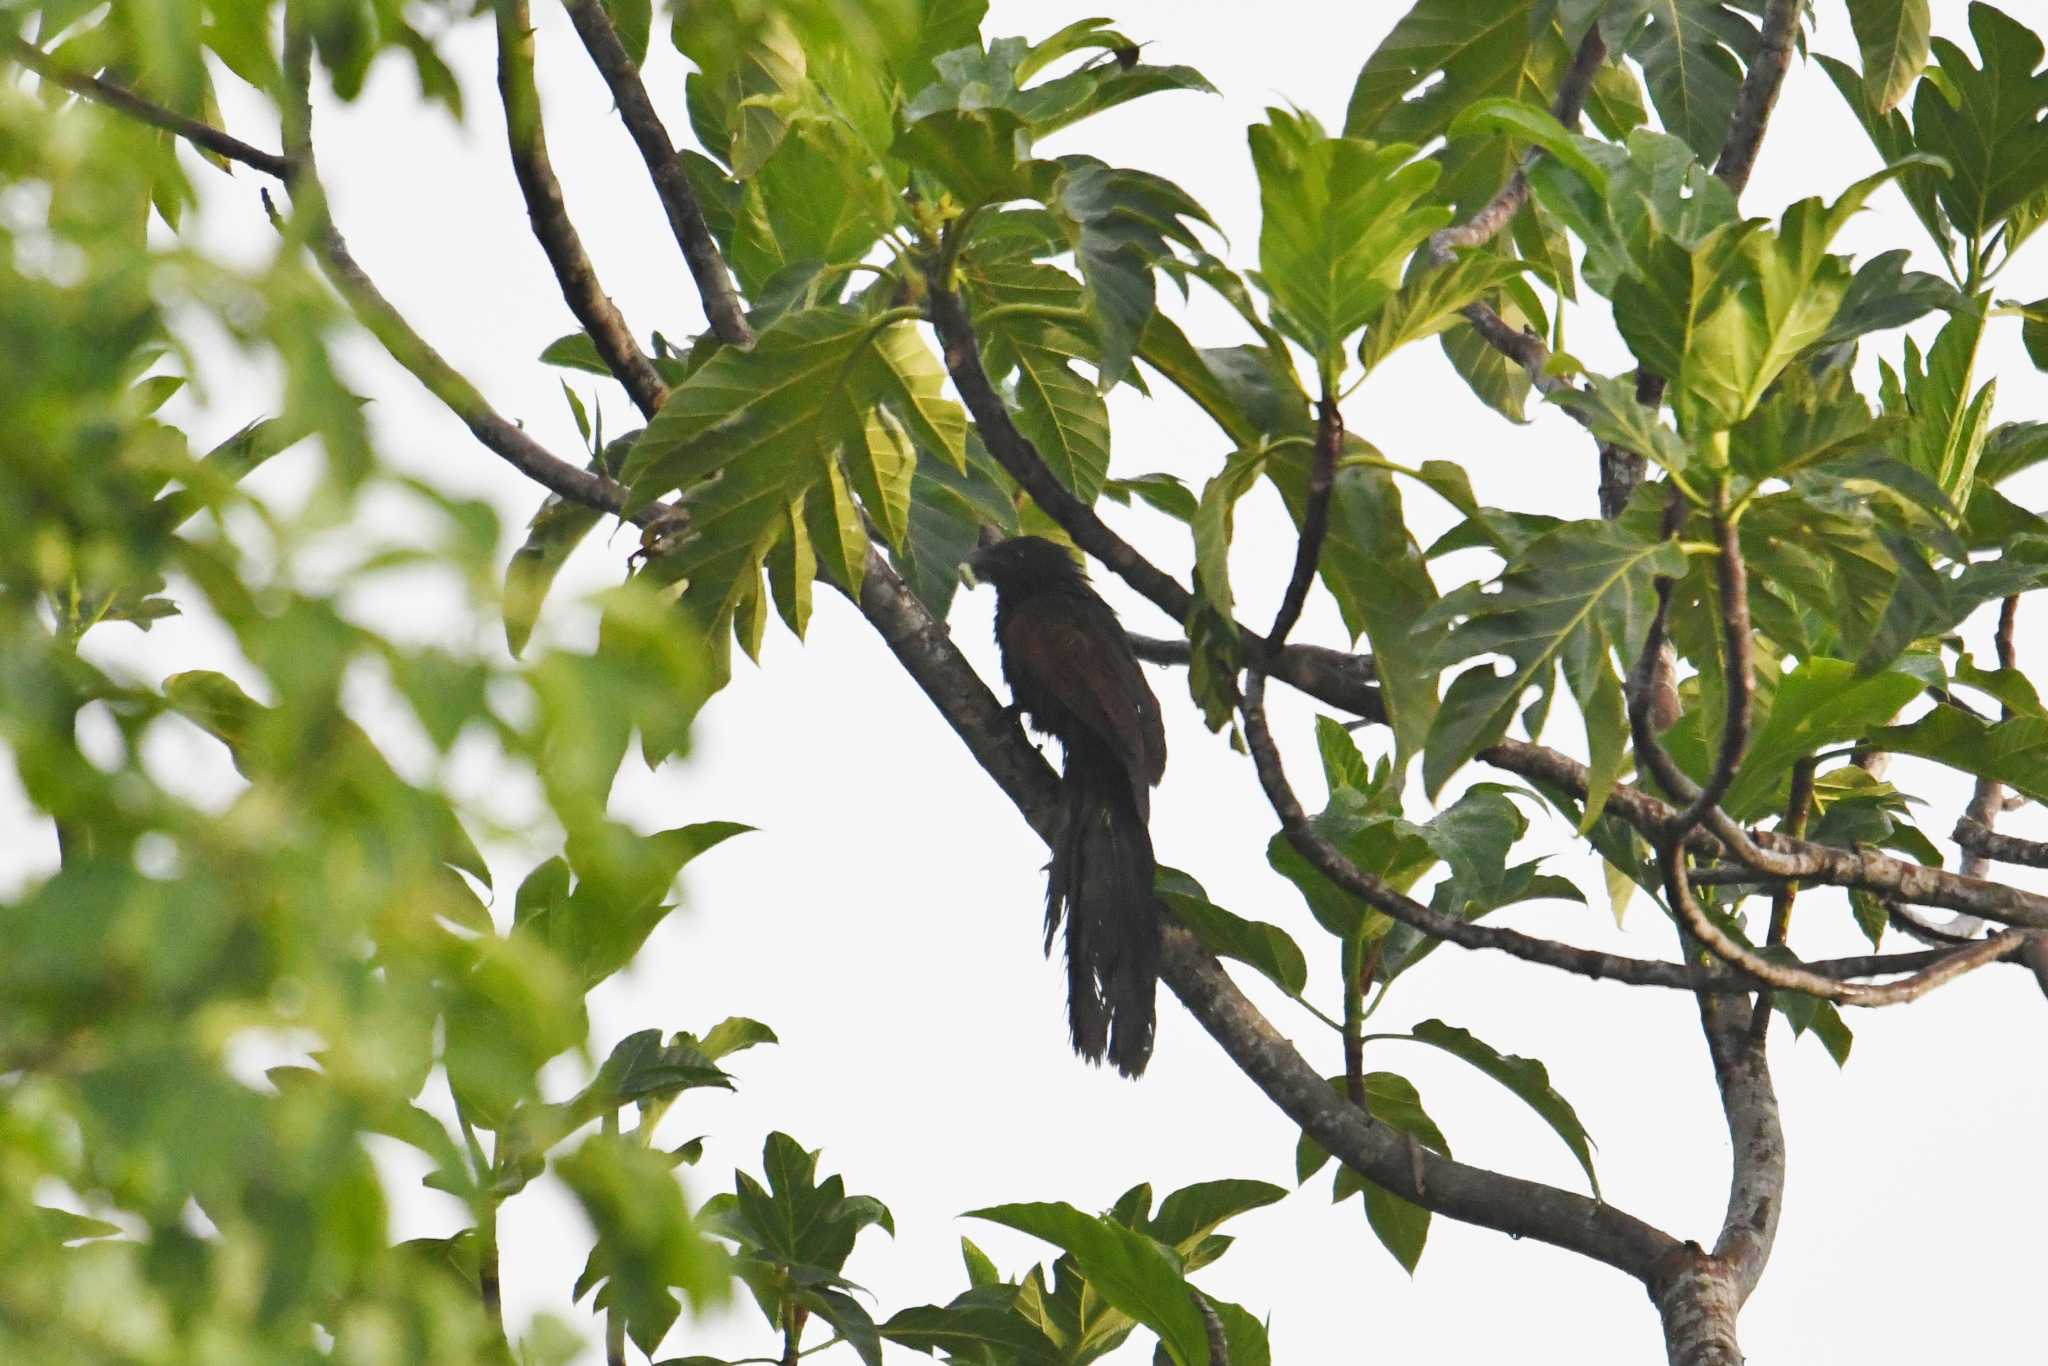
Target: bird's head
point(1021, 564)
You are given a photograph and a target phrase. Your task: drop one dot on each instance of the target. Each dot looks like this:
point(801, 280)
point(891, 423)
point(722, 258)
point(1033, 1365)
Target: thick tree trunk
point(1699, 1304)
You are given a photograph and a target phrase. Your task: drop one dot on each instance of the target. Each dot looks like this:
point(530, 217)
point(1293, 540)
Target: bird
point(1073, 677)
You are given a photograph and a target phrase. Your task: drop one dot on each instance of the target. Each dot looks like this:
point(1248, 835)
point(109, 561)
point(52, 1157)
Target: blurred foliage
point(219, 997)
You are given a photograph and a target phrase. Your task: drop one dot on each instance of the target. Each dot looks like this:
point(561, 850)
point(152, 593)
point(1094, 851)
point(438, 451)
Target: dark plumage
point(1073, 676)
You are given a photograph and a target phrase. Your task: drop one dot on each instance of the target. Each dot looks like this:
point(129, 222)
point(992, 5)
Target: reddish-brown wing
point(1085, 665)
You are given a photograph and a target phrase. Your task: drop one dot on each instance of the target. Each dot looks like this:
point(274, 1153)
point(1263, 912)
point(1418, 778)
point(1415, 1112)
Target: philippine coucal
point(1072, 675)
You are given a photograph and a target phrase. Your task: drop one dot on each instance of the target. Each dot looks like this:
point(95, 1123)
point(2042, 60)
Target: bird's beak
point(970, 568)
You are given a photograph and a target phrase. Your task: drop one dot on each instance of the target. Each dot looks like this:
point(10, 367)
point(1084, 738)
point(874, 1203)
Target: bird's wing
point(1086, 666)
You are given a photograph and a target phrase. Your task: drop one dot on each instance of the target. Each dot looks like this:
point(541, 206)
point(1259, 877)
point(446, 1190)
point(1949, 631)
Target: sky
point(885, 917)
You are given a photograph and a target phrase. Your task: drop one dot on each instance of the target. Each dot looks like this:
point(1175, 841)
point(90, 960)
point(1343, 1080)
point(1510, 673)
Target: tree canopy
point(334, 899)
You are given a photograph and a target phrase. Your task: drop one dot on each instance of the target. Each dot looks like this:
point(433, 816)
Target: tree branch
point(1756, 1137)
point(1498, 211)
point(685, 216)
point(148, 111)
point(1344, 681)
point(505, 439)
point(1760, 86)
point(1315, 521)
point(1015, 452)
point(1323, 673)
point(1737, 646)
point(527, 136)
point(1524, 348)
point(1671, 838)
point(1514, 1206)
point(1983, 843)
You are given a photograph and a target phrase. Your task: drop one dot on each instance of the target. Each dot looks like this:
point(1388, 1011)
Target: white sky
point(885, 920)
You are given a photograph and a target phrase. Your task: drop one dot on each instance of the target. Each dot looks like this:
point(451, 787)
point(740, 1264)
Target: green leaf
point(1159, 490)
point(1607, 405)
point(1582, 576)
point(1343, 766)
point(1401, 1227)
point(1501, 384)
point(1526, 1077)
point(1805, 1012)
point(733, 1034)
point(1130, 1271)
point(597, 928)
point(1892, 135)
point(575, 352)
point(557, 528)
point(1188, 1216)
point(1120, 224)
point(947, 512)
point(969, 1332)
point(1615, 102)
point(1481, 47)
point(1379, 842)
point(1528, 123)
point(634, 20)
point(819, 197)
point(1651, 190)
point(797, 1220)
point(1062, 413)
point(1947, 424)
point(752, 433)
point(2011, 447)
point(1892, 35)
point(972, 153)
point(1244, 1335)
point(1883, 294)
point(1377, 574)
point(1430, 302)
point(1820, 704)
point(1692, 53)
point(2013, 752)
point(1725, 317)
point(1987, 122)
point(1265, 947)
point(1214, 525)
point(256, 737)
point(651, 1247)
point(1341, 218)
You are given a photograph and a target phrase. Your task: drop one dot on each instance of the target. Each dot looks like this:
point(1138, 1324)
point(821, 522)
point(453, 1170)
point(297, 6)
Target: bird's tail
point(1101, 879)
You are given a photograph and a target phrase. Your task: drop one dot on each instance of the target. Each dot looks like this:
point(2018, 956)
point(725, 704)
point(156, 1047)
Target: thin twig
point(1790, 977)
point(1497, 212)
point(577, 278)
point(1521, 346)
point(1212, 1326)
point(1621, 469)
point(1737, 646)
point(1331, 862)
point(1324, 673)
point(148, 111)
point(503, 438)
point(1490, 1199)
point(1344, 681)
point(1760, 86)
point(1701, 802)
point(1315, 521)
point(671, 184)
point(1986, 844)
point(1592, 1228)
point(1798, 809)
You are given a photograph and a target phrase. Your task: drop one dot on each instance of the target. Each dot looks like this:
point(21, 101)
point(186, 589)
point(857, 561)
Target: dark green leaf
point(1265, 947)
point(1526, 1077)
